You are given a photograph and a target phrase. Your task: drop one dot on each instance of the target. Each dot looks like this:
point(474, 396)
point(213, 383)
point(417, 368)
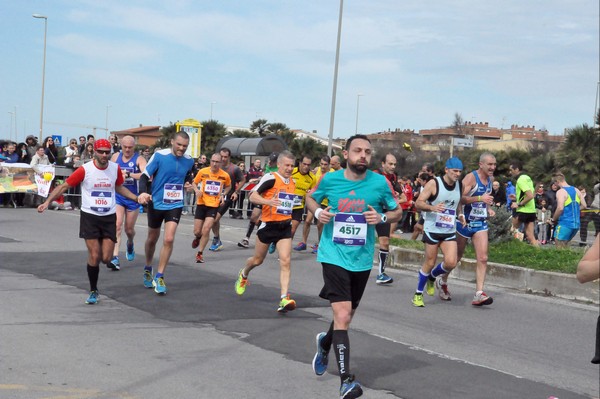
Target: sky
point(402, 65)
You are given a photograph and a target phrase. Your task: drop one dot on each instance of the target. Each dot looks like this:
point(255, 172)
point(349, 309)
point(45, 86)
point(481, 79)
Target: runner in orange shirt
point(211, 185)
point(275, 192)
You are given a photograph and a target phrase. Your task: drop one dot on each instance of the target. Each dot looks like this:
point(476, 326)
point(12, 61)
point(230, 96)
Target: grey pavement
point(203, 341)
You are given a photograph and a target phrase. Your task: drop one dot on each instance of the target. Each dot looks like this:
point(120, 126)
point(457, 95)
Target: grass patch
point(517, 253)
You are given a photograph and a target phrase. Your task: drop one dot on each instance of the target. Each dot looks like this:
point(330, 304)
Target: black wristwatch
point(383, 218)
point(128, 175)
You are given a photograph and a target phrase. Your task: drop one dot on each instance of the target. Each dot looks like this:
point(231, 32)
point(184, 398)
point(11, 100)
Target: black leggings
point(586, 218)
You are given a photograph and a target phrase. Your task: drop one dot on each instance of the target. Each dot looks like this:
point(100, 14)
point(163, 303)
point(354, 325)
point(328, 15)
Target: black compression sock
point(93, 273)
point(250, 229)
point(326, 341)
point(341, 346)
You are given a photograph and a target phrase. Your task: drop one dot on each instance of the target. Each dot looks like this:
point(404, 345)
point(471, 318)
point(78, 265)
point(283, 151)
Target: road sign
point(194, 129)
point(57, 140)
point(466, 142)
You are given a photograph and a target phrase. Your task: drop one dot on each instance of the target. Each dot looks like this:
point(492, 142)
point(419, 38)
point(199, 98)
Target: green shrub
point(517, 253)
point(499, 225)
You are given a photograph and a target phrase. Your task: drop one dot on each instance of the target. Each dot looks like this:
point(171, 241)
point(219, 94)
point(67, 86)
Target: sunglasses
point(103, 151)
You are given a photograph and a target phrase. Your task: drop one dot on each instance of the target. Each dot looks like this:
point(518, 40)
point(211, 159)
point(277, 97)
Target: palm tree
point(578, 156)
point(243, 133)
point(541, 166)
point(260, 127)
point(308, 147)
point(212, 132)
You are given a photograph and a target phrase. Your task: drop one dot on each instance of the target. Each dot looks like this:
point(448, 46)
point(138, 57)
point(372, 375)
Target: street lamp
point(358, 96)
point(12, 114)
point(335, 75)
point(211, 109)
point(45, 18)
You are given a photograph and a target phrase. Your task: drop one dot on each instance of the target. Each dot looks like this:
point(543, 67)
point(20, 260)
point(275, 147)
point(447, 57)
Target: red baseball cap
point(102, 143)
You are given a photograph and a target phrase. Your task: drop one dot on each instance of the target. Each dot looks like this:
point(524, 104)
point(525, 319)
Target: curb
point(518, 278)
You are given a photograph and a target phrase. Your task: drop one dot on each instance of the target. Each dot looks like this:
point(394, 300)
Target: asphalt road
point(203, 341)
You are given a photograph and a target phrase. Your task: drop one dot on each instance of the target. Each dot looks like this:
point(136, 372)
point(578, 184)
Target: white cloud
point(104, 50)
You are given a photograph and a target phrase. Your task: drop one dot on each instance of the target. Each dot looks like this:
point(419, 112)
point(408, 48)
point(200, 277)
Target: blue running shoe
point(300, 247)
point(130, 252)
point(384, 279)
point(218, 246)
point(148, 279)
point(321, 358)
point(114, 264)
point(159, 285)
point(315, 249)
point(350, 389)
point(93, 298)
point(213, 246)
point(271, 248)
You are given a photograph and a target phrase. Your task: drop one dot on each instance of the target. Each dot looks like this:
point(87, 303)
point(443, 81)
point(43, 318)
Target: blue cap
point(454, 163)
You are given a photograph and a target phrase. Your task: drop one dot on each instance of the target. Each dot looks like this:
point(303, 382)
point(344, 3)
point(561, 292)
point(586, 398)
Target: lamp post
point(45, 18)
point(11, 124)
point(106, 123)
point(16, 128)
point(358, 96)
point(211, 109)
point(335, 75)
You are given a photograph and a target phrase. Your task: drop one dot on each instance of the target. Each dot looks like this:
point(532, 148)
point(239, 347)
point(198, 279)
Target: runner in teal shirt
point(356, 198)
point(348, 241)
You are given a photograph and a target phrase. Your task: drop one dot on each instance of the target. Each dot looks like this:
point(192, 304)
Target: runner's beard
point(358, 169)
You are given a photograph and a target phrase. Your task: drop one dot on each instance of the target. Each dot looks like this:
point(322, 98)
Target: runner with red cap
point(99, 180)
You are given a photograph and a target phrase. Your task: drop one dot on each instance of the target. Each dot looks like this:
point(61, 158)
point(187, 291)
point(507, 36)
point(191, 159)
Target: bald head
point(335, 162)
point(128, 146)
point(128, 140)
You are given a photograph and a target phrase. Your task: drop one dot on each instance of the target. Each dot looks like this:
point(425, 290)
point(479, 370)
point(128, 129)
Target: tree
point(278, 128)
point(578, 157)
point(260, 127)
point(308, 147)
point(541, 165)
point(166, 134)
point(458, 124)
point(243, 133)
point(212, 132)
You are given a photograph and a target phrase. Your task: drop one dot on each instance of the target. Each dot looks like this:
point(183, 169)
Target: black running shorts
point(342, 285)
point(526, 217)
point(297, 214)
point(383, 229)
point(203, 212)
point(94, 227)
point(156, 216)
point(225, 205)
point(272, 232)
point(438, 238)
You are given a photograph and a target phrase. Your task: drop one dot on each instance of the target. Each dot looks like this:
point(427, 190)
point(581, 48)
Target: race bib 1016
point(102, 201)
